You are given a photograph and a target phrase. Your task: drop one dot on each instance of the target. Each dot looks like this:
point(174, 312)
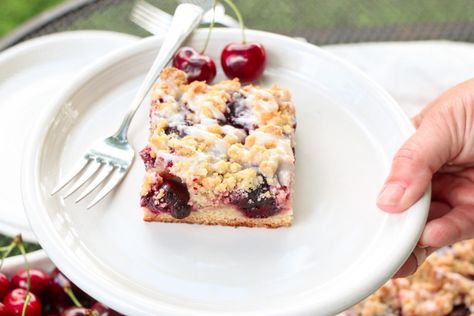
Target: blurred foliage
point(300, 17)
point(15, 12)
point(29, 247)
point(304, 17)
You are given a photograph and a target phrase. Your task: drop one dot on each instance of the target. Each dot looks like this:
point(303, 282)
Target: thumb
point(414, 165)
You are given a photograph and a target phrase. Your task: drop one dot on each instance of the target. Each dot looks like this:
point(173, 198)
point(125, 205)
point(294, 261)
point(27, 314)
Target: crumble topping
point(221, 138)
point(443, 285)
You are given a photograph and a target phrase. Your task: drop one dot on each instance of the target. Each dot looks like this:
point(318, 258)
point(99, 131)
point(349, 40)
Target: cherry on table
point(245, 61)
point(77, 311)
point(39, 281)
point(198, 67)
point(56, 289)
point(15, 300)
point(4, 285)
point(103, 310)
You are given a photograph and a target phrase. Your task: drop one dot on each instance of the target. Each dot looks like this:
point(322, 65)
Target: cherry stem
point(21, 246)
point(214, 2)
point(234, 8)
point(73, 297)
point(25, 304)
point(7, 250)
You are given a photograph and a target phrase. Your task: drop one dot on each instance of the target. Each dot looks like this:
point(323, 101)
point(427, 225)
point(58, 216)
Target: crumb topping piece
point(443, 285)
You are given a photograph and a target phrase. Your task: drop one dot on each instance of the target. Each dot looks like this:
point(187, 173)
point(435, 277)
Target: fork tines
point(88, 167)
point(150, 17)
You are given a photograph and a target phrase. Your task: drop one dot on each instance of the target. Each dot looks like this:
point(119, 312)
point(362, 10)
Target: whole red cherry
point(4, 285)
point(77, 311)
point(39, 281)
point(102, 310)
point(15, 300)
point(198, 67)
point(56, 290)
point(245, 61)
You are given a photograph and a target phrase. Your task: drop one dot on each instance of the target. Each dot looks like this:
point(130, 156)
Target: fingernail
point(391, 194)
point(420, 255)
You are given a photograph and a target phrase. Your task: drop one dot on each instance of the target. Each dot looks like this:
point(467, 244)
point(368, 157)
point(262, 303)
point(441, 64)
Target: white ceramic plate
point(339, 250)
point(31, 76)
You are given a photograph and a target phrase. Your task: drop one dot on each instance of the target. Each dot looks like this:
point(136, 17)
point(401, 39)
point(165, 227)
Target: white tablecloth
point(414, 73)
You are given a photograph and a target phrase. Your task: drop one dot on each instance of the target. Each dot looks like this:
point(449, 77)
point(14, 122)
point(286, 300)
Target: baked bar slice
point(442, 286)
point(219, 154)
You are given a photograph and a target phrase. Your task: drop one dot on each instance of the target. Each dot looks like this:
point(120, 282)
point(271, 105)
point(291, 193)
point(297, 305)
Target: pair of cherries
point(245, 61)
point(49, 294)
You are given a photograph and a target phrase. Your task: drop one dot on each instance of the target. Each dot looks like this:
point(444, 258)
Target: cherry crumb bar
point(219, 154)
point(443, 285)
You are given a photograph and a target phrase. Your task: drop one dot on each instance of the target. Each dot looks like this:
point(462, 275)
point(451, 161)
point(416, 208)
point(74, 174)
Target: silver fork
point(156, 21)
point(220, 16)
point(111, 158)
point(150, 17)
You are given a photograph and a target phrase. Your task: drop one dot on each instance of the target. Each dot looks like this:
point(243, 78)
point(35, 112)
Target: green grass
point(294, 16)
point(15, 12)
point(5, 241)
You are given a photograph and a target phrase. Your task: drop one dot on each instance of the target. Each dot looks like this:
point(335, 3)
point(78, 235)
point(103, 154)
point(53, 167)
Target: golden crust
point(225, 216)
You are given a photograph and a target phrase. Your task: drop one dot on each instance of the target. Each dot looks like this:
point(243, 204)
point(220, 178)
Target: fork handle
point(186, 18)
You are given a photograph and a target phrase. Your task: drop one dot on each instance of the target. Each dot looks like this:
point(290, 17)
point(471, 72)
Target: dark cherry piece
point(4, 285)
point(236, 108)
point(103, 310)
point(39, 281)
point(176, 197)
point(243, 61)
point(174, 130)
point(78, 311)
point(3, 310)
point(196, 66)
point(253, 205)
point(460, 310)
point(15, 300)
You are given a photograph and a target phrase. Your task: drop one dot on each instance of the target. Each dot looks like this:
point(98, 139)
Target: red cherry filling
point(174, 199)
point(258, 203)
point(15, 300)
point(198, 67)
point(174, 130)
point(148, 160)
point(245, 61)
point(236, 109)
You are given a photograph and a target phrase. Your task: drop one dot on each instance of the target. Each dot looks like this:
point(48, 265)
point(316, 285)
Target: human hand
point(440, 152)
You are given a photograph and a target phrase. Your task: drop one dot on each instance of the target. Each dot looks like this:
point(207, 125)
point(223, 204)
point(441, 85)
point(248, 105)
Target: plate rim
point(52, 38)
point(17, 52)
point(33, 152)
